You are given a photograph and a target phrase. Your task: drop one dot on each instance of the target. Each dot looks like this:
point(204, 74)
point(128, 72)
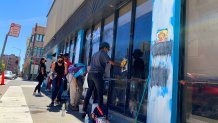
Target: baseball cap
point(104, 45)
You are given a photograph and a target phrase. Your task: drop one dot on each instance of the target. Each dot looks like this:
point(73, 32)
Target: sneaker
point(39, 94)
point(51, 104)
point(34, 93)
point(58, 101)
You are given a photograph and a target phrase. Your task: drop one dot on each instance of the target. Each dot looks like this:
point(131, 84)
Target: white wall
point(59, 14)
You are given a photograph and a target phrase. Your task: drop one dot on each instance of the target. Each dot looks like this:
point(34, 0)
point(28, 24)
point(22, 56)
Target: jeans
point(38, 87)
point(57, 90)
point(95, 82)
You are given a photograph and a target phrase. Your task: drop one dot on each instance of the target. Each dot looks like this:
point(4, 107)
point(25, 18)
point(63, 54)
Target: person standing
point(95, 75)
point(41, 76)
point(59, 70)
point(78, 72)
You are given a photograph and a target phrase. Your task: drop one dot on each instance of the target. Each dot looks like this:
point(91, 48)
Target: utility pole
point(32, 52)
point(3, 50)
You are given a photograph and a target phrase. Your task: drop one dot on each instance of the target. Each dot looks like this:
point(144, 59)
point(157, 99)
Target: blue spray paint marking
point(170, 104)
point(164, 91)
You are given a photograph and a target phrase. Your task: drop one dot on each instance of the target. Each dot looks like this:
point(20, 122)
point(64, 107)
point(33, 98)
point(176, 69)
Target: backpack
point(77, 70)
point(99, 112)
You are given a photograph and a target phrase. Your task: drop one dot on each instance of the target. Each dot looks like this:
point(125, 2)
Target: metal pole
point(3, 49)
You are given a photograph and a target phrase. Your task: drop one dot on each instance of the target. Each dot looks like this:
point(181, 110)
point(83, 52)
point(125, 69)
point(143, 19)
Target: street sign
point(14, 30)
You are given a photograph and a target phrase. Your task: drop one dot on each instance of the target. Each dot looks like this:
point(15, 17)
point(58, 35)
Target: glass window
point(42, 38)
point(108, 37)
point(38, 51)
point(96, 38)
point(42, 51)
point(121, 51)
point(87, 45)
point(35, 51)
point(140, 57)
point(32, 38)
point(72, 49)
point(62, 47)
point(65, 47)
point(108, 31)
point(38, 37)
point(200, 102)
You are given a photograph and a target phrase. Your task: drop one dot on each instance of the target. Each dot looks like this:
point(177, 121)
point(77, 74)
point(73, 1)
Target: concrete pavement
point(20, 106)
point(13, 108)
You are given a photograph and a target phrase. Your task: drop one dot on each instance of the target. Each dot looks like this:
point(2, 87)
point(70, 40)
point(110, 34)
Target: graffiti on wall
point(161, 48)
point(160, 90)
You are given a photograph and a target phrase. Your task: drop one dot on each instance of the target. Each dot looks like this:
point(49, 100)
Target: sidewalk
point(36, 107)
point(55, 113)
point(3, 88)
point(12, 107)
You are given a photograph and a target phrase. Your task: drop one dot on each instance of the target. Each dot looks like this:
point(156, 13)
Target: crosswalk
point(13, 108)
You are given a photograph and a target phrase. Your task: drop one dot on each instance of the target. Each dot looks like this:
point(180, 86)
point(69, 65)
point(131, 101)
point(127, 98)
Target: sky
point(25, 13)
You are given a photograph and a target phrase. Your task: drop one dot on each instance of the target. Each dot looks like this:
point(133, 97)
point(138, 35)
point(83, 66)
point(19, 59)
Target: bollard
point(3, 78)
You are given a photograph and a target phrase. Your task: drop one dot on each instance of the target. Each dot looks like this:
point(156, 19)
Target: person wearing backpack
point(78, 72)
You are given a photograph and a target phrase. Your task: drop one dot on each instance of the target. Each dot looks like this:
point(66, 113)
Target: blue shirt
point(99, 61)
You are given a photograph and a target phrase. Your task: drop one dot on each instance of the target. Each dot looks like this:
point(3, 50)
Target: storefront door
point(200, 86)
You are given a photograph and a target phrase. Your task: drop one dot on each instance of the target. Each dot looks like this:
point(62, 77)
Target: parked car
point(9, 75)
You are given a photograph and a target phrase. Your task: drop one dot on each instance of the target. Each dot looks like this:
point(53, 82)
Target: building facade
point(12, 63)
point(170, 46)
point(34, 50)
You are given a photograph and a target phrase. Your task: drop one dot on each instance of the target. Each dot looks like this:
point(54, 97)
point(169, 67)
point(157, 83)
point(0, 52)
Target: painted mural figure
point(161, 49)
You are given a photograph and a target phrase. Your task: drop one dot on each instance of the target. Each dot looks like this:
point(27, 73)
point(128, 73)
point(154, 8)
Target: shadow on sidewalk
point(58, 108)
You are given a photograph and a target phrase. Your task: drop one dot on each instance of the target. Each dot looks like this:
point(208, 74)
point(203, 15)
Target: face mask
point(60, 61)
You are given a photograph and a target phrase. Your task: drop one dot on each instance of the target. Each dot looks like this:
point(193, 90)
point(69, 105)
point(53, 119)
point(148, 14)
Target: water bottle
point(63, 110)
point(67, 104)
point(87, 119)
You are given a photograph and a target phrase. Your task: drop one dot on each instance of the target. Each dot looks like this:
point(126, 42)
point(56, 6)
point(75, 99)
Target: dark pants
point(65, 83)
point(38, 87)
point(57, 90)
point(95, 82)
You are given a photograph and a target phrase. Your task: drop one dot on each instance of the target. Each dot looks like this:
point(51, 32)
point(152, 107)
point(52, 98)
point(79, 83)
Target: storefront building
point(170, 44)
